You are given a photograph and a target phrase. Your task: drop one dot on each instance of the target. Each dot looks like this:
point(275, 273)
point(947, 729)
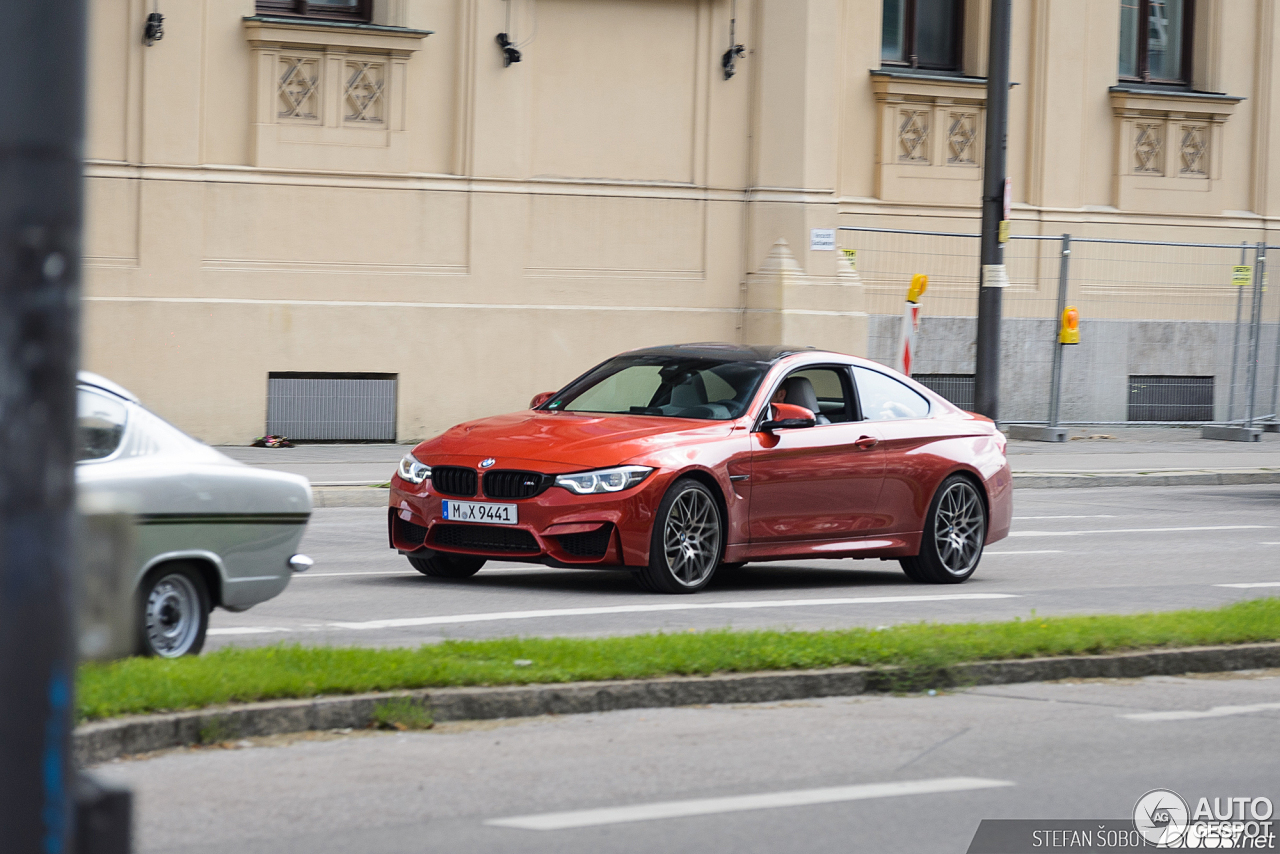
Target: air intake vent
point(591, 544)
point(453, 480)
point(515, 484)
point(484, 538)
point(407, 533)
point(1170, 398)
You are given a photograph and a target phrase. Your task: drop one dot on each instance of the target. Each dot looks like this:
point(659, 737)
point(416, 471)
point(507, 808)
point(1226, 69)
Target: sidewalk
point(1101, 456)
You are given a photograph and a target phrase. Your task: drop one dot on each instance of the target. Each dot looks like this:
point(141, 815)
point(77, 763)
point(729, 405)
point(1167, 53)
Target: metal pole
point(1255, 328)
point(1055, 387)
point(986, 384)
point(42, 48)
point(1235, 341)
point(1275, 377)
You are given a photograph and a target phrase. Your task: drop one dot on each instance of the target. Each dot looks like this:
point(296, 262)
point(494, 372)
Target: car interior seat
point(800, 393)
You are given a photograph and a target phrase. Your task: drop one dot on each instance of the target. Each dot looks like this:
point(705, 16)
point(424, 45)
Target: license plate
point(473, 511)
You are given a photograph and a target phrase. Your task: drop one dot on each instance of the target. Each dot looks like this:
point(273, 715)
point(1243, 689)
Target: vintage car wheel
point(687, 540)
point(174, 613)
point(440, 565)
point(954, 531)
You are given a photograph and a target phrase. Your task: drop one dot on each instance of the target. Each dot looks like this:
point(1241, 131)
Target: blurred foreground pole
point(42, 45)
point(986, 380)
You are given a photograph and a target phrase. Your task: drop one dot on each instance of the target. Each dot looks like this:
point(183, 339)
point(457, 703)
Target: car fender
point(203, 555)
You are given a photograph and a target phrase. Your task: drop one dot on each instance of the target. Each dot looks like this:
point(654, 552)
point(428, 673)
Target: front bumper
point(555, 527)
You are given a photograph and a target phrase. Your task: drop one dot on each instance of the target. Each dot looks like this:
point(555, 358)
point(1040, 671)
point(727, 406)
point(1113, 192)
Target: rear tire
point(173, 612)
point(955, 529)
point(441, 565)
point(687, 541)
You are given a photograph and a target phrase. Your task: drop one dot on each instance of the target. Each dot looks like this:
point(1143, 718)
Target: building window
point(1155, 41)
point(922, 34)
point(357, 11)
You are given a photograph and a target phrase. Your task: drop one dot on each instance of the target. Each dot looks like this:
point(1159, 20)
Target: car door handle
point(866, 443)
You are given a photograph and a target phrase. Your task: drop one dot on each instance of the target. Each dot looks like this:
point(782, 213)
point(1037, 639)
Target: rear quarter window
point(100, 422)
point(885, 399)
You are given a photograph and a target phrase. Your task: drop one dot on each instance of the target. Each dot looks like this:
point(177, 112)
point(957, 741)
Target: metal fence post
point(1235, 340)
point(1255, 329)
point(1246, 432)
point(1055, 385)
point(1052, 432)
point(1273, 426)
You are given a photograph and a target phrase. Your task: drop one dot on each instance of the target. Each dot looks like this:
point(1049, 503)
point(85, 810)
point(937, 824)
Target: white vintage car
point(209, 531)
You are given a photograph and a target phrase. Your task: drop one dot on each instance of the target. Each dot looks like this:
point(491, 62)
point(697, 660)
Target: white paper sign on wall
point(822, 238)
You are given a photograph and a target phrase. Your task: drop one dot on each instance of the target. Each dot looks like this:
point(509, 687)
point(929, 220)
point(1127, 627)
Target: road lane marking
point(247, 630)
point(1215, 712)
point(1248, 584)
point(1137, 530)
point(1033, 552)
point(1096, 516)
point(743, 803)
point(412, 574)
point(1269, 544)
point(337, 574)
point(408, 622)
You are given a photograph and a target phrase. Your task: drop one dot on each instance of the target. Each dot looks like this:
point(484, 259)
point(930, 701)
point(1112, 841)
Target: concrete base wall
point(1095, 372)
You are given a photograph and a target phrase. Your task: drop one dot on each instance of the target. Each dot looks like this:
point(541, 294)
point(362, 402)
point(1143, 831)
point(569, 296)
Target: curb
point(111, 739)
point(1036, 480)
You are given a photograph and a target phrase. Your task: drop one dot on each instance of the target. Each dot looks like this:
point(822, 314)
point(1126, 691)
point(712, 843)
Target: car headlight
point(412, 470)
point(603, 480)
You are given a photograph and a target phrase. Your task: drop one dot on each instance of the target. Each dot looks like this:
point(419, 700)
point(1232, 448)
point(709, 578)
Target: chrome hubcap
point(172, 616)
point(959, 528)
point(691, 537)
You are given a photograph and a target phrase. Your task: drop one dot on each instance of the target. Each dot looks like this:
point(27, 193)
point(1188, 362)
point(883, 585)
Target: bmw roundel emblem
point(484, 464)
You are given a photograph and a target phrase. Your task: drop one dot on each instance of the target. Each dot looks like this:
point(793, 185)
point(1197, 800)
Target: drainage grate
point(957, 388)
point(1170, 398)
point(332, 407)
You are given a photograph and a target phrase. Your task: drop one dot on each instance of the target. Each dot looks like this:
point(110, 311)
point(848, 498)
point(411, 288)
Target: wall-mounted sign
point(822, 238)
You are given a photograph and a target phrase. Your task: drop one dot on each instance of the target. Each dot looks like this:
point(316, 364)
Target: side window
point(820, 390)
point(885, 399)
point(99, 425)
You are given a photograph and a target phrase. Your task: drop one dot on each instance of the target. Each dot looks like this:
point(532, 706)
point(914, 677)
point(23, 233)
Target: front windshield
point(674, 386)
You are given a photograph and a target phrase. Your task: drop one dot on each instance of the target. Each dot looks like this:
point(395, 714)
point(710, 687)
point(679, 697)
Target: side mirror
point(539, 399)
point(785, 416)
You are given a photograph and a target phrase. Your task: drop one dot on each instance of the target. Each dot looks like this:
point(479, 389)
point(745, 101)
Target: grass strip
point(247, 674)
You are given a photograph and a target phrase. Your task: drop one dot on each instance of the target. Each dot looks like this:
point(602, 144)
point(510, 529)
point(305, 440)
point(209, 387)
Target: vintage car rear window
point(671, 386)
point(99, 425)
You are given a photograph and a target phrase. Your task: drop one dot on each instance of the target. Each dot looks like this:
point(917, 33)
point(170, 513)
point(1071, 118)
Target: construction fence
point(1170, 333)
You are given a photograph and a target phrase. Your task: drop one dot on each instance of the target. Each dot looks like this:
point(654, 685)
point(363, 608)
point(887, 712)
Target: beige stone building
point(371, 190)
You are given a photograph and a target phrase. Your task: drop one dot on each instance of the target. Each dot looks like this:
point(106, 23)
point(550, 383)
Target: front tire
point(173, 613)
point(955, 529)
point(441, 565)
point(687, 540)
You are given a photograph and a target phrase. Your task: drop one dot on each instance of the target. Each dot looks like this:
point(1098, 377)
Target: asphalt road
point(910, 773)
point(1072, 551)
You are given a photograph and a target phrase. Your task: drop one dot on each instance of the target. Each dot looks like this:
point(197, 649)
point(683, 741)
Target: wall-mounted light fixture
point(154, 29)
point(730, 58)
point(507, 40)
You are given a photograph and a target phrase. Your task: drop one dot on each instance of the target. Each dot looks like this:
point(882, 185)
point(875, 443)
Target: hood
point(575, 440)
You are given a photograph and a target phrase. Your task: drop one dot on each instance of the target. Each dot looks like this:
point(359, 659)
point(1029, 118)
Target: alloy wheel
point(959, 528)
point(691, 537)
